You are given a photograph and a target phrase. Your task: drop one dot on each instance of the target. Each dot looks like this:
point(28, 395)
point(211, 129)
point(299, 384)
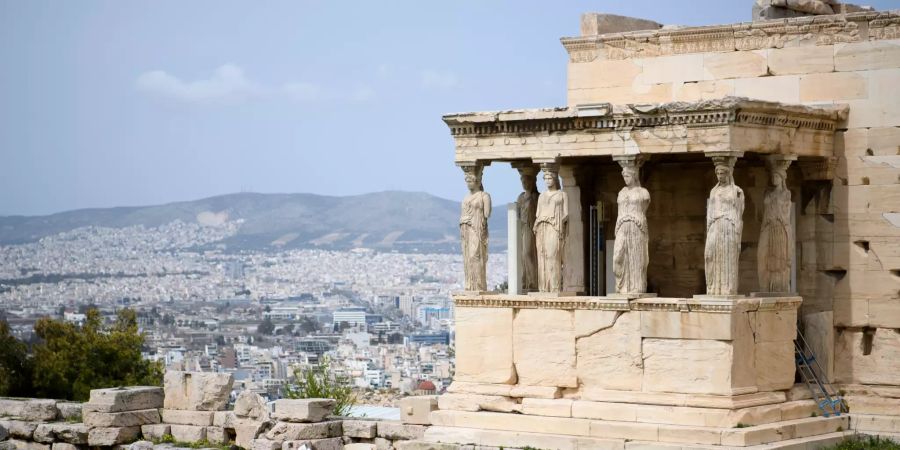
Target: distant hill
point(393, 220)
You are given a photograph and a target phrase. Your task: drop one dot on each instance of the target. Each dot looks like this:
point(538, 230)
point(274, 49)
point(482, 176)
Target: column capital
point(724, 158)
point(779, 162)
point(635, 160)
point(477, 163)
point(525, 167)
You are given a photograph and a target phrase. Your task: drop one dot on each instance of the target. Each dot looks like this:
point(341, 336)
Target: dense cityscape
point(382, 320)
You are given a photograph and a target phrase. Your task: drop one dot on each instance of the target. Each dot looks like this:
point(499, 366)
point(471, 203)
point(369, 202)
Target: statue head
point(777, 179)
point(552, 180)
point(473, 178)
point(529, 183)
point(631, 177)
point(723, 174)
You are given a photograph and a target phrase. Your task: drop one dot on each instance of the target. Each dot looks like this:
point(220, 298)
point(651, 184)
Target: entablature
point(729, 124)
point(818, 30)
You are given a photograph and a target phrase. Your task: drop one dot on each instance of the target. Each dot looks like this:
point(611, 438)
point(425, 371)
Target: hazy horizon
point(109, 103)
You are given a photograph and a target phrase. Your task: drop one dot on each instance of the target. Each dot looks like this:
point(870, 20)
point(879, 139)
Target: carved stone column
point(551, 229)
point(775, 251)
point(473, 230)
point(526, 209)
point(632, 234)
point(573, 273)
point(724, 226)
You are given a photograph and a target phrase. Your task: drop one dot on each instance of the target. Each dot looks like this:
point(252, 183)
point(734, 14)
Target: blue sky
point(111, 103)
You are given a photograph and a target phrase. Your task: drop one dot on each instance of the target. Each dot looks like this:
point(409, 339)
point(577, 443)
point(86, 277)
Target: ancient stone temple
point(708, 196)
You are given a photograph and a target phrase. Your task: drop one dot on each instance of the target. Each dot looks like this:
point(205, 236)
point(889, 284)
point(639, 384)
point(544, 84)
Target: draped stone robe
point(550, 226)
point(724, 225)
point(776, 242)
point(473, 230)
point(526, 206)
point(630, 256)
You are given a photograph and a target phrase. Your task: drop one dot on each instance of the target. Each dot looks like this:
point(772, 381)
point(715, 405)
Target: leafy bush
point(319, 382)
point(69, 360)
point(864, 442)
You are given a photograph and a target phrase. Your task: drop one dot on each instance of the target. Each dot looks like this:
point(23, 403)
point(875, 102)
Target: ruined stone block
point(364, 429)
point(197, 391)
point(69, 411)
point(396, 430)
point(72, 433)
point(182, 417)
point(252, 405)
point(121, 419)
point(416, 410)
point(216, 435)
point(800, 60)
point(155, 432)
point(188, 433)
point(106, 436)
point(19, 429)
point(303, 410)
point(224, 419)
point(125, 399)
point(287, 431)
point(334, 443)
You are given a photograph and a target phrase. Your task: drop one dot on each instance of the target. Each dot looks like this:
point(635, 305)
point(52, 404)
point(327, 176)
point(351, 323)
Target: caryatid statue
point(526, 210)
point(550, 229)
point(724, 225)
point(630, 257)
point(473, 230)
point(776, 236)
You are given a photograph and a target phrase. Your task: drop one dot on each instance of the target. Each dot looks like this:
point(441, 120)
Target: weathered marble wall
point(648, 346)
point(849, 230)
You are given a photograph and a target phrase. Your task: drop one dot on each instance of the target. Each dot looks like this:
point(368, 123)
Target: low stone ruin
point(191, 410)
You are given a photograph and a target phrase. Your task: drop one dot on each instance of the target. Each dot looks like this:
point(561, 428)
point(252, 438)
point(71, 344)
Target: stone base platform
point(519, 431)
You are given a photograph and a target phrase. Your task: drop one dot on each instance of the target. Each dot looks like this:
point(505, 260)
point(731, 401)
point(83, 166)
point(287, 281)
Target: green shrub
point(865, 442)
point(319, 382)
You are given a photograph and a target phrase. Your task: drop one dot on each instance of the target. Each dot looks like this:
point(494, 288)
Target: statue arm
point(487, 205)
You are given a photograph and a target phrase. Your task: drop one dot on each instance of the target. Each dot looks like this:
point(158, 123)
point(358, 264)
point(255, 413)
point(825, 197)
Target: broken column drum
point(630, 256)
point(473, 230)
point(550, 226)
point(724, 225)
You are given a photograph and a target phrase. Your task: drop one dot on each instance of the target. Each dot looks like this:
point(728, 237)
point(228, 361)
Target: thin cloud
point(362, 94)
point(302, 91)
point(227, 84)
point(435, 79)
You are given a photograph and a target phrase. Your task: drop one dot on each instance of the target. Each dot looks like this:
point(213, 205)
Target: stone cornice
point(618, 304)
point(809, 30)
point(726, 111)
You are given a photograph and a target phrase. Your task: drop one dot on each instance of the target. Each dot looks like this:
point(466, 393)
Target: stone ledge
point(618, 304)
point(451, 425)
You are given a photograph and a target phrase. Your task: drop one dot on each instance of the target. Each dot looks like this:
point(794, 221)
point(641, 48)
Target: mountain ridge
point(386, 220)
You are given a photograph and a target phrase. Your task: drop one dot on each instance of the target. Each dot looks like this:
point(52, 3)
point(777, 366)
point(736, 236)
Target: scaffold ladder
point(812, 374)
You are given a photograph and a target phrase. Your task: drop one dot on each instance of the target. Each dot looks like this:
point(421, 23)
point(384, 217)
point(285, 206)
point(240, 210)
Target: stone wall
point(191, 411)
point(515, 349)
point(848, 232)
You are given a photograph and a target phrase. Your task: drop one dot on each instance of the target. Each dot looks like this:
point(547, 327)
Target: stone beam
point(729, 124)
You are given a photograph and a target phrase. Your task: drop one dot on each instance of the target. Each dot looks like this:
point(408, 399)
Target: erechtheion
point(711, 192)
